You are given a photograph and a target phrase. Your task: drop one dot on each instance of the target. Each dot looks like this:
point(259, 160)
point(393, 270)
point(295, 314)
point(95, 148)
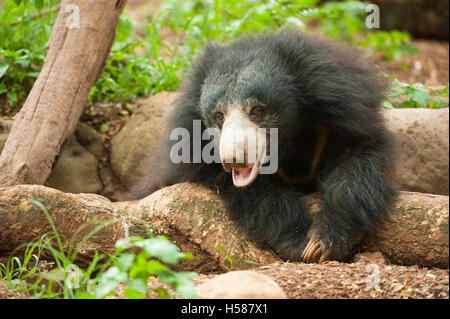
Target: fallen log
point(195, 218)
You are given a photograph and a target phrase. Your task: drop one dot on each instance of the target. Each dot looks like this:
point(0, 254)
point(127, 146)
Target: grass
point(134, 262)
point(234, 261)
point(23, 36)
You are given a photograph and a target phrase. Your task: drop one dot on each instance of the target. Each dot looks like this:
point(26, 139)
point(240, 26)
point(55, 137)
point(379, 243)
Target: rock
point(112, 187)
point(139, 135)
point(240, 285)
point(75, 170)
point(90, 140)
point(423, 140)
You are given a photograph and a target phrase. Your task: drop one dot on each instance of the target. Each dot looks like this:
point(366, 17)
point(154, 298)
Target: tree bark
point(77, 51)
point(196, 219)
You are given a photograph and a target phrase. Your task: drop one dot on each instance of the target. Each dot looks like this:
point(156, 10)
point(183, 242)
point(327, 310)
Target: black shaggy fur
point(303, 82)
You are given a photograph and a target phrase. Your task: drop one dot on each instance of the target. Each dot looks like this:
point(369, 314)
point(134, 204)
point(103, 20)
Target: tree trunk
point(77, 51)
point(196, 218)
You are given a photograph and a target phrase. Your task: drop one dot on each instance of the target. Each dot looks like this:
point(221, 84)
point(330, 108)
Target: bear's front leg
point(271, 214)
point(357, 194)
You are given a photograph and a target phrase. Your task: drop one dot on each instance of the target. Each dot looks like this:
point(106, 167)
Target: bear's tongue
point(243, 176)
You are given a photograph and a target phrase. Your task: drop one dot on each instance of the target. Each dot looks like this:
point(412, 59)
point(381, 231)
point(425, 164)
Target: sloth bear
point(324, 101)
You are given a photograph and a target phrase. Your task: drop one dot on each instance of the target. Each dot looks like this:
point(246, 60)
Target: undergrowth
point(144, 62)
point(134, 261)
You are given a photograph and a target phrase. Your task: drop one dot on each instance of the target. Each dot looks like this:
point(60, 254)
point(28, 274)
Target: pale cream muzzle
point(242, 148)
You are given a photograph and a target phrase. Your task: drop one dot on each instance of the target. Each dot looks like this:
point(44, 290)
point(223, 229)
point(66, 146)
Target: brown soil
point(430, 66)
point(348, 281)
point(333, 280)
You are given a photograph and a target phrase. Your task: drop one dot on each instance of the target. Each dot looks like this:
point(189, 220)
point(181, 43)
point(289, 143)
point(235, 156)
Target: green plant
point(128, 74)
point(224, 20)
point(134, 269)
point(345, 20)
point(134, 261)
point(342, 20)
point(392, 44)
point(24, 30)
point(416, 95)
point(232, 261)
point(142, 62)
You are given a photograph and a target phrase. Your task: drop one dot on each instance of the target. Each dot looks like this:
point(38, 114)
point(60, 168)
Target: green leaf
point(104, 128)
point(2, 88)
point(396, 83)
point(154, 266)
point(124, 243)
point(420, 97)
point(3, 70)
point(139, 284)
point(388, 105)
point(23, 63)
point(84, 295)
point(185, 286)
point(406, 104)
point(109, 281)
point(125, 261)
point(162, 249)
point(226, 253)
point(439, 105)
point(408, 48)
point(12, 96)
point(133, 294)
point(39, 4)
point(395, 94)
point(188, 256)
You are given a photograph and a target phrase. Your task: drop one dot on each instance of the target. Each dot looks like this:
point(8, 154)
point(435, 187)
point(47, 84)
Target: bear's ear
point(206, 59)
point(211, 49)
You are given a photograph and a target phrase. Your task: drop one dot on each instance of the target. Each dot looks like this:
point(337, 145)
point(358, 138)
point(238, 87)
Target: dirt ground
point(338, 280)
point(335, 280)
point(364, 279)
point(430, 66)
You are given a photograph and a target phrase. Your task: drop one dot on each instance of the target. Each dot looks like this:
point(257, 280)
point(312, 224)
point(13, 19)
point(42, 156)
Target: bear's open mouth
point(244, 176)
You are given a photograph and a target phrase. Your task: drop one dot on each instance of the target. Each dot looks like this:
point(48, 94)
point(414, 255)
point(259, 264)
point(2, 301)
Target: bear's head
point(246, 93)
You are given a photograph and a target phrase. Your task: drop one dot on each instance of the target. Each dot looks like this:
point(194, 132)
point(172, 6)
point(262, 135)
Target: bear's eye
point(257, 111)
point(219, 118)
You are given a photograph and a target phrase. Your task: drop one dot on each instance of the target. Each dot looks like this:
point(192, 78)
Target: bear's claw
point(313, 251)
